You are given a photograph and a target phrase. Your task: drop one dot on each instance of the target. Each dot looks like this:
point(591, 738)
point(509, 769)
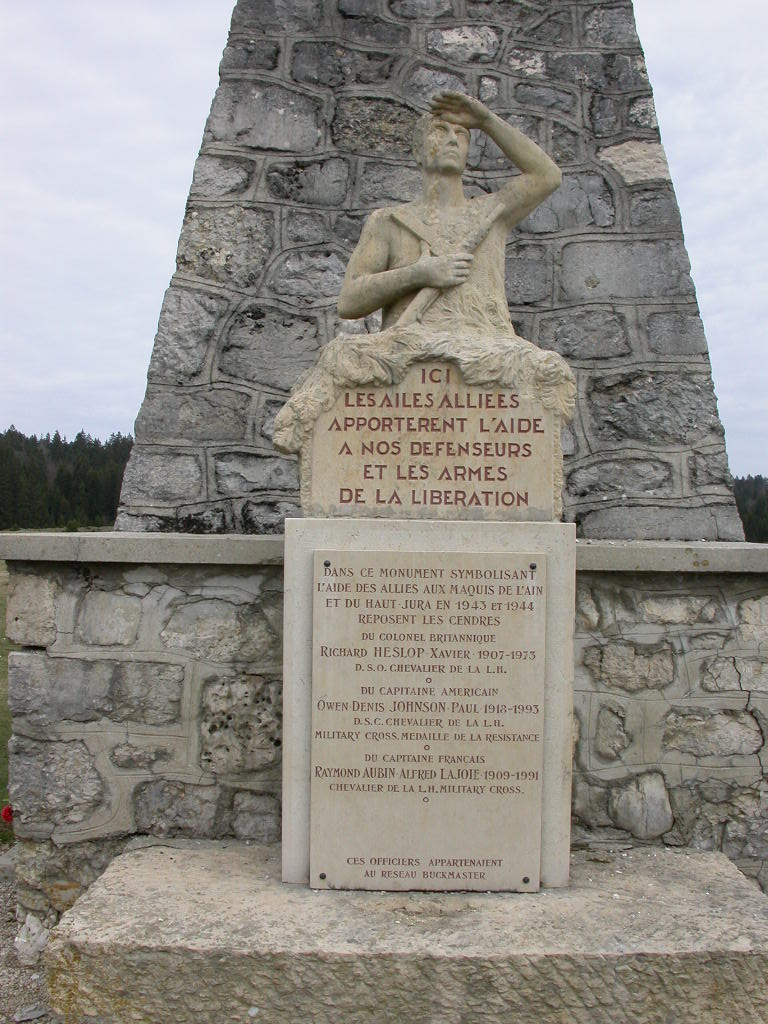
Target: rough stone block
point(655, 210)
point(423, 82)
point(588, 334)
point(654, 408)
point(566, 145)
point(637, 162)
point(642, 113)
point(268, 346)
point(600, 271)
point(676, 334)
point(391, 182)
point(211, 934)
point(240, 723)
point(315, 184)
point(465, 43)
point(601, 72)
point(606, 114)
point(218, 176)
point(420, 8)
point(187, 324)
point(555, 28)
point(641, 806)
point(305, 228)
point(706, 732)
point(228, 245)
point(264, 116)
point(308, 276)
point(31, 610)
point(664, 522)
point(164, 808)
point(622, 666)
point(333, 65)
point(246, 55)
point(529, 63)
point(216, 630)
point(708, 470)
point(377, 32)
point(609, 27)
point(277, 15)
point(621, 476)
point(51, 784)
point(108, 619)
point(126, 755)
point(364, 125)
point(241, 473)
point(546, 97)
point(214, 415)
point(528, 275)
point(256, 816)
point(581, 202)
point(717, 814)
point(267, 516)
point(611, 736)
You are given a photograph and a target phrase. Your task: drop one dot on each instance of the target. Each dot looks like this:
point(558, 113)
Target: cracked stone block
point(676, 609)
point(240, 473)
point(187, 323)
point(220, 631)
point(264, 116)
point(605, 271)
point(308, 276)
point(465, 43)
point(566, 145)
point(256, 816)
point(753, 618)
point(31, 609)
point(622, 476)
point(622, 666)
point(555, 28)
point(654, 408)
point(706, 470)
point(164, 808)
point(277, 15)
point(126, 755)
point(108, 619)
point(269, 347)
point(324, 183)
point(703, 732)
point(582, 201)
point(589, 334)
point(240, 724)
point(215, 415)
point(329, 64)
point(228, 245)
point(366, 125)
point(51, 784)
point(714, 814)
point(267, 516)
point(641, 806)
point(611, 737)
point(218, 176)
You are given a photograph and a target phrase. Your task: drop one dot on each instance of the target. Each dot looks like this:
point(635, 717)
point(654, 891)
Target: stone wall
point(146, 705)
point(309, 131)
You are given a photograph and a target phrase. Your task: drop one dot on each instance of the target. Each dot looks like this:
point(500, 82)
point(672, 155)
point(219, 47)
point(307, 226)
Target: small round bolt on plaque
point(322, 875)
point(327, 563)
point(531, 566)
point(526, 879)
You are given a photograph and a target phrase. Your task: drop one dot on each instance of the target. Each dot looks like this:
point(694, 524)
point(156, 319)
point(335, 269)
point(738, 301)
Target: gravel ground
point(22, 989)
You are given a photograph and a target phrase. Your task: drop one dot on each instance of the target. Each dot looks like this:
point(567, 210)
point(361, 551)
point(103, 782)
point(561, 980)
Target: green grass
point(6, 833)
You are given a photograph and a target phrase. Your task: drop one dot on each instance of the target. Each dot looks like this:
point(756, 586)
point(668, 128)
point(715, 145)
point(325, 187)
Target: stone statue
point(435, 267)
point(440, 260)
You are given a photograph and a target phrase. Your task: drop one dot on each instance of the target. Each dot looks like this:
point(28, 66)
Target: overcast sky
point(101, 115)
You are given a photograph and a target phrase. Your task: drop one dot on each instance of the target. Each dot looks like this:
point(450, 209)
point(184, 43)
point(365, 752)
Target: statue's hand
point(444, 271)
point(458, 108)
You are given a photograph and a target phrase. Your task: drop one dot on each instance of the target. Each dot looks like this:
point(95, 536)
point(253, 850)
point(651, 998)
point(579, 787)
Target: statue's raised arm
point(445, 246)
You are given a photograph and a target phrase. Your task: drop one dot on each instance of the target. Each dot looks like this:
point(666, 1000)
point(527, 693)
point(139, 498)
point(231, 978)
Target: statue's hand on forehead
point(458, 108)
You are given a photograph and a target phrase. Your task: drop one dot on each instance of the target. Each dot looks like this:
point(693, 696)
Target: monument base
point(194, 931)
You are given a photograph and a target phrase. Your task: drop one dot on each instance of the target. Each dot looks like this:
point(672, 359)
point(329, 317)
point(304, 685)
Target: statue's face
point(446, 146)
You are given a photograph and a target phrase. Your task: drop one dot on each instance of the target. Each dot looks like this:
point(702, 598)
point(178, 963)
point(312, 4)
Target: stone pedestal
point(193, 933)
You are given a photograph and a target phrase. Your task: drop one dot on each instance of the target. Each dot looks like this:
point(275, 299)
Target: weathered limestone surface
point(177, 732)
point(213, 933)
point(308, 133)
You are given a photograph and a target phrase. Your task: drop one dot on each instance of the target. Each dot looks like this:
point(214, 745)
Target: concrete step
point(207, 932)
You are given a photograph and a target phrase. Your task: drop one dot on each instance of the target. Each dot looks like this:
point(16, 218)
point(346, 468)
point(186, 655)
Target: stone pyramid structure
point(309, 131)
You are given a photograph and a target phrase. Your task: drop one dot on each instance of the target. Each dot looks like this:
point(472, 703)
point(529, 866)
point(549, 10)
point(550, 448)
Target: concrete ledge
point(207, 932)
point(237, 549)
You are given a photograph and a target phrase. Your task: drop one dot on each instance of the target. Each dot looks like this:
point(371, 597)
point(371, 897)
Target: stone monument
point(426, 744)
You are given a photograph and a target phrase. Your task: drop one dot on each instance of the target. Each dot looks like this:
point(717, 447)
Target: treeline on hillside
point(752, 501)
point(49, 481)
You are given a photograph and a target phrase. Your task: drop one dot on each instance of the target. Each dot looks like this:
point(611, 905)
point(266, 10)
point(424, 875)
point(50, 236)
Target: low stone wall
point(146, 700)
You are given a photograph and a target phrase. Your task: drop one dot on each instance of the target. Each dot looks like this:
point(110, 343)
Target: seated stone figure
point(435, 267)
point(445, 245)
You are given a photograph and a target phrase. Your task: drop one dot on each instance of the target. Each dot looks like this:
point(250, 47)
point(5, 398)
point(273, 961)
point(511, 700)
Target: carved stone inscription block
point(434, 447)
point(427, 720)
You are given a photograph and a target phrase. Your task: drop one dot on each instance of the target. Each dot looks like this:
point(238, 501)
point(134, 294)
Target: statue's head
point(440, 145)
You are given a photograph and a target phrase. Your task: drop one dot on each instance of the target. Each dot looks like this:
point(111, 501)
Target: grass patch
point(6, 833)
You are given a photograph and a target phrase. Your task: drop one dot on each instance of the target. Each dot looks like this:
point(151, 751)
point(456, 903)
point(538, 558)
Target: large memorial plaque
point(428, 676)
point(434, 447)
